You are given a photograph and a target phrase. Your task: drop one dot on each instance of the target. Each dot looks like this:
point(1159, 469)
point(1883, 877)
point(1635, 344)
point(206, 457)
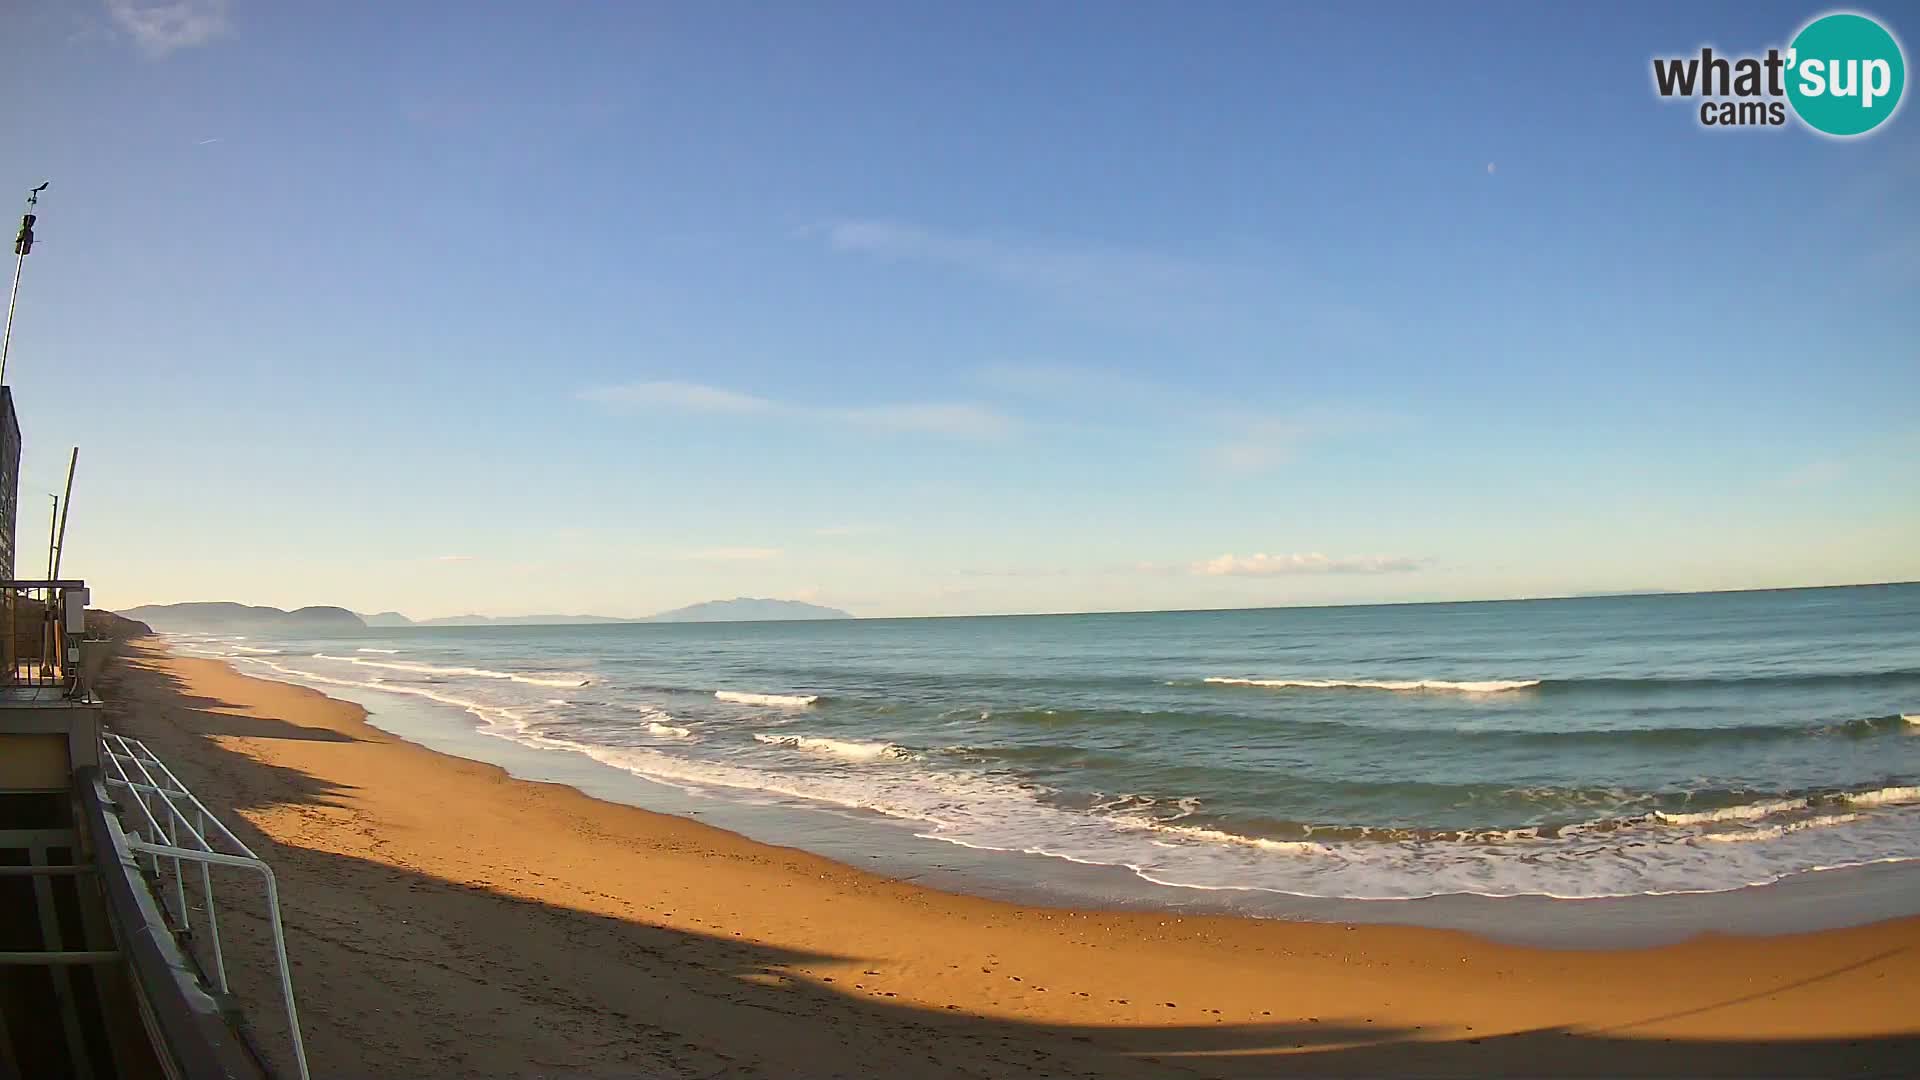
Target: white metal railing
point(183, 830)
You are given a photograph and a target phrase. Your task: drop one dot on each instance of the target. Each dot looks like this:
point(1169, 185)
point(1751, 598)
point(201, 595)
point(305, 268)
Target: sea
point(1588, 747)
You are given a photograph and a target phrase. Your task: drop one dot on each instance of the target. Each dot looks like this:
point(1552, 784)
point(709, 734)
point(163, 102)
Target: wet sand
point(446, 919)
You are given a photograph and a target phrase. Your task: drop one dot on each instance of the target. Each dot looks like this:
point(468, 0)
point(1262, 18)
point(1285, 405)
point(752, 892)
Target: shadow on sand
point(467, 980)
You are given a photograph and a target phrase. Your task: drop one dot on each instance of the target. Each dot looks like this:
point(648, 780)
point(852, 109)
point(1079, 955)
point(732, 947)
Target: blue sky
point(947, 309)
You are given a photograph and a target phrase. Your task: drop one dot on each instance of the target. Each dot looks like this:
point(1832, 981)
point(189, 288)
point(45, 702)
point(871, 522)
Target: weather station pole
point(22, 247)
point(66, 507)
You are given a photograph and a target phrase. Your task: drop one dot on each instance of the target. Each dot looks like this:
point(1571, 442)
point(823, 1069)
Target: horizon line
point(628, 620)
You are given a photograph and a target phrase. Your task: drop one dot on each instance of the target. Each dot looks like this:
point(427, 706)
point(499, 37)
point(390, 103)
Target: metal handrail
point(184, 830)
point(186, 1026)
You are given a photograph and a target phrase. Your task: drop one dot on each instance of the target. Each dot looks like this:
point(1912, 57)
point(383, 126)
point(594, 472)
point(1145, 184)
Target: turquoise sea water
point(1584, 747)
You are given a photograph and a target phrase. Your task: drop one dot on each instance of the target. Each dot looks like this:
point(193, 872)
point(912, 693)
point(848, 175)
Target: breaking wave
point(552, 679)
point(848, 751)
point(1484, 686)
point(742, 697)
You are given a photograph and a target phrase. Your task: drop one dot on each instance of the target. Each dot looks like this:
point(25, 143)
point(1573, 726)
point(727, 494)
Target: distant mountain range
point(225, 618)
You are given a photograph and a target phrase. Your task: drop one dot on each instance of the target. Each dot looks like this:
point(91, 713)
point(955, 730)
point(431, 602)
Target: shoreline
point(429, 893)
point(894, 848)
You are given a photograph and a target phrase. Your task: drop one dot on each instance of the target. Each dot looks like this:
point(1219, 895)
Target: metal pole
point(66, 507)
point(19, 264)
point(49, 636)
point(6, 343)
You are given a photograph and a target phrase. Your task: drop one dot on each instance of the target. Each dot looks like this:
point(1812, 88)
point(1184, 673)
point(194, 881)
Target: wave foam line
point(1886, 796)
point(569, 682)
point(847, 751)
point(1484, 686)
point(742, 697)
point(254, 649)
point(383, 652)
point(1220, 836)
point(668, 731)
point(1775, 832)
point(1744, 812)
point(489, 713)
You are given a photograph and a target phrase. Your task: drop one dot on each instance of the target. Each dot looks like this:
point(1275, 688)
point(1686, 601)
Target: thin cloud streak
point(1250, 441)
point(1815, 474)
point(957, 419)
point(1106, 275)
point(734, 554)
point(160, 27)
point(1262, 564)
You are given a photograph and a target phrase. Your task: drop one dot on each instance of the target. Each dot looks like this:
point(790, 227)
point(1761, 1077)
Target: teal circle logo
point(1845, 73)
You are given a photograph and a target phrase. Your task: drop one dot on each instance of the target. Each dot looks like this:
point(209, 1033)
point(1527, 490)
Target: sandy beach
point(448, 920)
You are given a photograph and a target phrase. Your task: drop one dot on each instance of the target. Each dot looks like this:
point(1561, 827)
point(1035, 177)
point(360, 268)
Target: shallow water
point(1589, 747)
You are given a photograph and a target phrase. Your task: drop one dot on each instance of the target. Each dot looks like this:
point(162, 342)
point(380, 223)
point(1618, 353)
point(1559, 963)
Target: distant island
point(229, 618)
point(748, 609)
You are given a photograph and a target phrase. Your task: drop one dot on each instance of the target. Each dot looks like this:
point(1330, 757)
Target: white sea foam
point(1220, 836)
point(1775, 832)
point(742, 697)
point(254, 649)
point(487, 712)
point(1000, 813)
point(383, 652)
point(1886, 796)
point(850, 751)
point(1484, 686)
point(567, 681)
point(1743, 812)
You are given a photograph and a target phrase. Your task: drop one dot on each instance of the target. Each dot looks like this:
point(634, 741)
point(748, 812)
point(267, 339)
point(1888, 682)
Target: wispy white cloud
point(1241, 438)
point(1264, 565)
point(1102, 387)
point(734, 554)
point(967, 421)
point(1085, 272)
point(681, 396)
point(453, 558)
point(1815, 474)
point(159, 27)
point(1261, 443)
point(938, 418)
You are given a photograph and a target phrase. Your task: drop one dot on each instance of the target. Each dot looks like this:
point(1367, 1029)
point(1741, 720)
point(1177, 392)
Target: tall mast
point(66, 507)
point(53, 520)
point(22, 247)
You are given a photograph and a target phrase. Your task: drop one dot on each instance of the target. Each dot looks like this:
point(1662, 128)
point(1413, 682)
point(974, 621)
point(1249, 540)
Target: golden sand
point(447, 920)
